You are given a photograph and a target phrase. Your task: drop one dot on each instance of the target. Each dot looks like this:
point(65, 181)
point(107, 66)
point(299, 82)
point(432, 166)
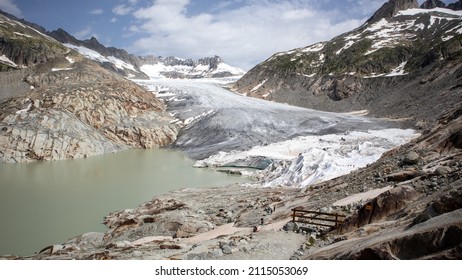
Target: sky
point(243, 32)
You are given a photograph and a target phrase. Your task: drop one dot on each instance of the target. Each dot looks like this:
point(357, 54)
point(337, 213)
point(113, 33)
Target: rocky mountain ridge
point(431, 4)
point(391, 8)
point(375, 67)
point(129, 65)
point(56, 104)
point(174, 67)
point(143, 67)
point(457, 6)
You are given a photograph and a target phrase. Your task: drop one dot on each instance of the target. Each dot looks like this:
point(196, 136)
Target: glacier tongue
point(294, 146)
point(310, 159)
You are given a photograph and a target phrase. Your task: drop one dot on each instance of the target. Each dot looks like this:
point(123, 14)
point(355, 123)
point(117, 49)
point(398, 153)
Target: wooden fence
point(317, 218)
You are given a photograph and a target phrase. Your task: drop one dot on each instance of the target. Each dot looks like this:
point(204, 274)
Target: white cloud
point(243, 36)
point(11, 8)
point(122, 10)
point(96, 12)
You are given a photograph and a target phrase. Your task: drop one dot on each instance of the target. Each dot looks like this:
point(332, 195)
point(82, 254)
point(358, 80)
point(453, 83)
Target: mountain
point(391, 8)
point(113, 59)
point(57, 104)
point(402, 63)
point(431, 4)
point(139, 67)
point(173, 67)
point(456, 6)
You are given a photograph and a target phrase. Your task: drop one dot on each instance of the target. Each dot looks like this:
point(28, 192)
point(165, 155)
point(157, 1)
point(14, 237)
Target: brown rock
point(402, 176)
point(382, 206)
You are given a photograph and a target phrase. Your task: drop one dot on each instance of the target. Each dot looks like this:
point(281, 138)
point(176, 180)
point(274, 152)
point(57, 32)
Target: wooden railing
point(317, 218)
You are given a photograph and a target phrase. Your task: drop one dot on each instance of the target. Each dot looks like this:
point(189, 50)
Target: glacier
point(222, 128)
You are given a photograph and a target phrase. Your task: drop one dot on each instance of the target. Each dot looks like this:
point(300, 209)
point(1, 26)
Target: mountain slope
point(113, 59)
point(403, 66)
point(56, 104)
point(139, 67)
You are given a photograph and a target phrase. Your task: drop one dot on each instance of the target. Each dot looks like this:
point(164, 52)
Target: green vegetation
point(348, 60)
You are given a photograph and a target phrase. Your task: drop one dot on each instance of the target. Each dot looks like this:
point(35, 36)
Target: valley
point(367, 124)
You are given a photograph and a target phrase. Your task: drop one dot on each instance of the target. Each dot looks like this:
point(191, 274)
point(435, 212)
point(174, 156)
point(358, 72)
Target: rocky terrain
point(113, 59)
point(56, 104)
point(415, 193)
point(406, 205)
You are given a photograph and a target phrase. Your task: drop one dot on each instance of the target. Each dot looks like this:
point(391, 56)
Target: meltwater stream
point(47, 203)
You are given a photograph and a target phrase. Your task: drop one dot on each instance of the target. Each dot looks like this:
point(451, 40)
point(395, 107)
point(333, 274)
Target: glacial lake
point(47, 203)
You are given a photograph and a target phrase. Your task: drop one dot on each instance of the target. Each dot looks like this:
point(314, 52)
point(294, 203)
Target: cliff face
point(401, 66)
point(127, 66)
point(457, 6)
point(56, 104)
point(430, 4)
point(391, 8)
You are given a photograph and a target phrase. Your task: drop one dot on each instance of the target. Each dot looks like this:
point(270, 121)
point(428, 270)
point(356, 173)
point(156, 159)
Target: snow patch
point(24, 35)
point(420, 26)
point(61, 69)
point(24, 110)
point(413, 12)
point(121, 64)
point(70, 59)
point(398, 71)
point(347, 45)
point(6, 60)
point(93, 55)
point(259, 85)
point(314, 48)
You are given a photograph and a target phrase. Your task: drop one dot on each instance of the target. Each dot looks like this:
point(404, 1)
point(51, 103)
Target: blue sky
point(242, 32)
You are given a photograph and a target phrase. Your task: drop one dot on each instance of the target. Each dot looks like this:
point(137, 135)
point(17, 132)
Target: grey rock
point(392, 7)
point(291, 226)
point(137, 254)
point(457, 6)
point(411, 158)
point(226, 249)
point(217, 253)
point(430, 4)
point(442, 170)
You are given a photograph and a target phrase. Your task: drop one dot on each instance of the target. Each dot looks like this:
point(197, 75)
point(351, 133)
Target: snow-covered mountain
point(400, 49)
point(173, 67)
point(139, 67)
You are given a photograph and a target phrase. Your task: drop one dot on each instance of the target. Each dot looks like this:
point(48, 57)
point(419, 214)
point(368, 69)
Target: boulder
point(411, 158)
point(442, 170)
point(402, 175)
point(291, 226)
point(381, 207)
